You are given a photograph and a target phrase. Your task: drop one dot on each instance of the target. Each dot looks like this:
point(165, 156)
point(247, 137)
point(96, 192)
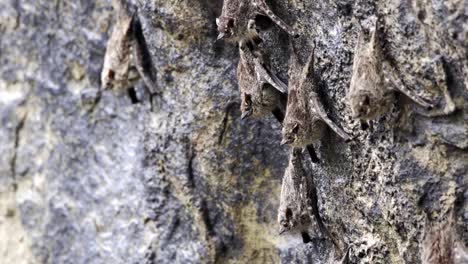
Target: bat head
point(246, 105)
point(361, 106)
point(286, 220)
point(225, 27)
point(367, 91)
point(108, 79)
point(292, 132)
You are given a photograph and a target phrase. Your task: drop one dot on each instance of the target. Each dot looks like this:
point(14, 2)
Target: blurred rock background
point(180, 178)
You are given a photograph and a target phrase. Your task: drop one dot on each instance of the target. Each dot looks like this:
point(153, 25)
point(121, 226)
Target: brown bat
point(260, 89)
point(117, 71)
point(299, 202)
point(235, 17)
point(306, 119)
point(371, 91)
point(127, 57)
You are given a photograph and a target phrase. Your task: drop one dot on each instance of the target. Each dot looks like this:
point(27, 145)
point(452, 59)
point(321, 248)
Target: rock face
point(180, 178)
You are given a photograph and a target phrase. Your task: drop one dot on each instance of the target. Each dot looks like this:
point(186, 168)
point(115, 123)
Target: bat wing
point(396, 82)
point(266, 76)
point(142, 58)
point(265, 9)
point(318, 107)
point(117, 59)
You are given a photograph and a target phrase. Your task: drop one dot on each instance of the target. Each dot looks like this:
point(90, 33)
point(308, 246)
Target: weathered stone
point(182, 179)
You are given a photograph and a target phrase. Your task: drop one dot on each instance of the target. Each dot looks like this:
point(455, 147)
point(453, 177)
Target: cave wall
point(179, 178)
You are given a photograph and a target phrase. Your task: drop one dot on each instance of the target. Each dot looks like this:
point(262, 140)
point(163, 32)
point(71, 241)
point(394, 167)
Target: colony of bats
point(297, 106)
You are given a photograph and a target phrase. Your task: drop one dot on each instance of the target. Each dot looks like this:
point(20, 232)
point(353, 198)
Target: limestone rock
point(180, 178)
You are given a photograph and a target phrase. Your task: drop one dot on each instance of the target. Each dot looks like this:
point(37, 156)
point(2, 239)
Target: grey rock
point(179, 178)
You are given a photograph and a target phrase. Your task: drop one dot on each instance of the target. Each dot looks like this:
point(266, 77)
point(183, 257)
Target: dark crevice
point(306, 238)
point(190, 170)
point(278, 114)
point(13, 160)
point(225, 121)
point(221, 251)
point(205, 213)
point(175, 223)
point(133, 95)
point(313, 154)
point(364, 125)
point(263, 22)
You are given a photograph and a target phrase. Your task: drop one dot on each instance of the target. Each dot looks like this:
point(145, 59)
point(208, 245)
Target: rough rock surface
point(182, 179)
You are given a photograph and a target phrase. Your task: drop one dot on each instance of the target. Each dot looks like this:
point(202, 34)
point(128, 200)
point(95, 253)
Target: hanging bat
point(299, 201)
point(306, 119)
point(236, 14)
point(374, 80)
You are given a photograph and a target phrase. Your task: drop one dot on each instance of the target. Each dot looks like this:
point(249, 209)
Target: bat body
point(127, 57)
point(371, 90)
point(233, 23)
point(260, 89)
point(117, 71)
point(262, 92)
point(299, 201)
point(306, 119)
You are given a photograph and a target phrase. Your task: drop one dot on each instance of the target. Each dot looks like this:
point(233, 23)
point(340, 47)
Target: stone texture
point(181, 179)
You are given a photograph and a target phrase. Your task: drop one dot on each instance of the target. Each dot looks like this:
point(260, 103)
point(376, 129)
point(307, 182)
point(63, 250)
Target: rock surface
point(180, 178)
